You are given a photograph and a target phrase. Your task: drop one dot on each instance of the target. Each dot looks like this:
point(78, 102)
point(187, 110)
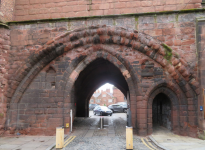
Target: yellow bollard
point(59, 137)
point(129, 137)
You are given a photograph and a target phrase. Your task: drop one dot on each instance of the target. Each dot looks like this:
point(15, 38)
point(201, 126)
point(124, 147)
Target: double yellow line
point(70, 139)
point(148, 144)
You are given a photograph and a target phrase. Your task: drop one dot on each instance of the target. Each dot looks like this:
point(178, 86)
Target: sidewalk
point(26, 142)
point(172, 141)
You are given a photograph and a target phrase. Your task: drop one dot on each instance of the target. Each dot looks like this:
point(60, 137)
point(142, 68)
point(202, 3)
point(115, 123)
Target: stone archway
point(98, 71)
point(121, 47)
point(124, 73)
point(100, 36)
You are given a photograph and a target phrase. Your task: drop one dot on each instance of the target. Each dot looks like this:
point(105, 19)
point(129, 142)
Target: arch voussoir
point(108, 35)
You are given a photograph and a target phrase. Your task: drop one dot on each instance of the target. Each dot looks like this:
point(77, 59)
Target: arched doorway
point(162, 112)
point(93, 71)
point(95, 74)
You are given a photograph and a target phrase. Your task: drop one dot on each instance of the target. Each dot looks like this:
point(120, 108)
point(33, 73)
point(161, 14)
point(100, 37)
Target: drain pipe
point(71, 120)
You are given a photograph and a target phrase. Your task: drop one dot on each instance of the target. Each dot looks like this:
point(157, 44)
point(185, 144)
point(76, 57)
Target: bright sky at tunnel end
point(106, 86)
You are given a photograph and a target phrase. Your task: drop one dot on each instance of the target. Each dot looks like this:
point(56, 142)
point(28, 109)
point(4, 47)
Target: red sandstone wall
point(4, 50)
point(44, 9)
point(6, 10)
point(169, 28)
point(176, 30)
point(60, 64)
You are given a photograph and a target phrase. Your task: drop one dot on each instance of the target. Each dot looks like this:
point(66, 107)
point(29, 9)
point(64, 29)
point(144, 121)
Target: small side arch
point(174, 108)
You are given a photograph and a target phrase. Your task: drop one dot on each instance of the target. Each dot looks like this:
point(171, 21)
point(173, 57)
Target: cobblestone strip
point(112, 137)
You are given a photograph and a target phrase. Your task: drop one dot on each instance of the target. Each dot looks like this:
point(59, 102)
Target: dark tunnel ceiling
point(97, 73)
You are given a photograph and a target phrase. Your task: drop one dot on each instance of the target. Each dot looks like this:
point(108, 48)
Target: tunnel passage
point(161, 111)
point(97, 73)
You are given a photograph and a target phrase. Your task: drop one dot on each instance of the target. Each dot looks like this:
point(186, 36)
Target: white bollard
point(101, 126)
point(129, 138)
point(71, 120)
point(101, 122)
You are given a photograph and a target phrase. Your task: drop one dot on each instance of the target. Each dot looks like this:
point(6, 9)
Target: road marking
point(146, 144)
point(150, 144)
point(69, 140)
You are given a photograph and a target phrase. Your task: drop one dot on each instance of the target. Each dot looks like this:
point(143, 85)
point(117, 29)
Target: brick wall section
point(7, 10)
point(103, 100)
point(118, 95)
point(43, 9)
point(4, 55)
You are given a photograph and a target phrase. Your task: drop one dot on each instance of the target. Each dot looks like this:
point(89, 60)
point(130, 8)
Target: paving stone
point(102, 139)
point(26, 142)
point(170, 140)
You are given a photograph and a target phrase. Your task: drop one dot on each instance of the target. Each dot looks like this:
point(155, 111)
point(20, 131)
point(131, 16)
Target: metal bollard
point(59, 137)
point(101, 122)
point(71, 120)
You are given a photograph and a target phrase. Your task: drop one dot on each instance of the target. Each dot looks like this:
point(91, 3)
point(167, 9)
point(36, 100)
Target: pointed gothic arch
point(110, 42)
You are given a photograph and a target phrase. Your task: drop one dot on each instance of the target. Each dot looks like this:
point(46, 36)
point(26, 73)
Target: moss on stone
point(177, 17)
point(155, 18)
point(69, 26)
point(1, 114)
point(201, 136)
point(168, 50)
point(90, 5)
point(114, 22)
point(177, 55)
point(136, 22)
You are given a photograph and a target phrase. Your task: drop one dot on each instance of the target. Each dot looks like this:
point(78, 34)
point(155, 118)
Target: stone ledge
point(109, 16)
point(4, 25)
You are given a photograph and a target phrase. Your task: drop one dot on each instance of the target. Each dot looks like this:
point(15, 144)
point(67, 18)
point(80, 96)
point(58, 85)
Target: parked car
point(92, 106)
point(123, 104)
point(117, 108)
point(102, 110)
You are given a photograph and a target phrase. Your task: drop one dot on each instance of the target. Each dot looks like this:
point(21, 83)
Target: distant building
point(106, 97)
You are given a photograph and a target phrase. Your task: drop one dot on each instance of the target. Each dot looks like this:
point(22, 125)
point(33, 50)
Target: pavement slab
point(172, 141)
point(26, 142)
